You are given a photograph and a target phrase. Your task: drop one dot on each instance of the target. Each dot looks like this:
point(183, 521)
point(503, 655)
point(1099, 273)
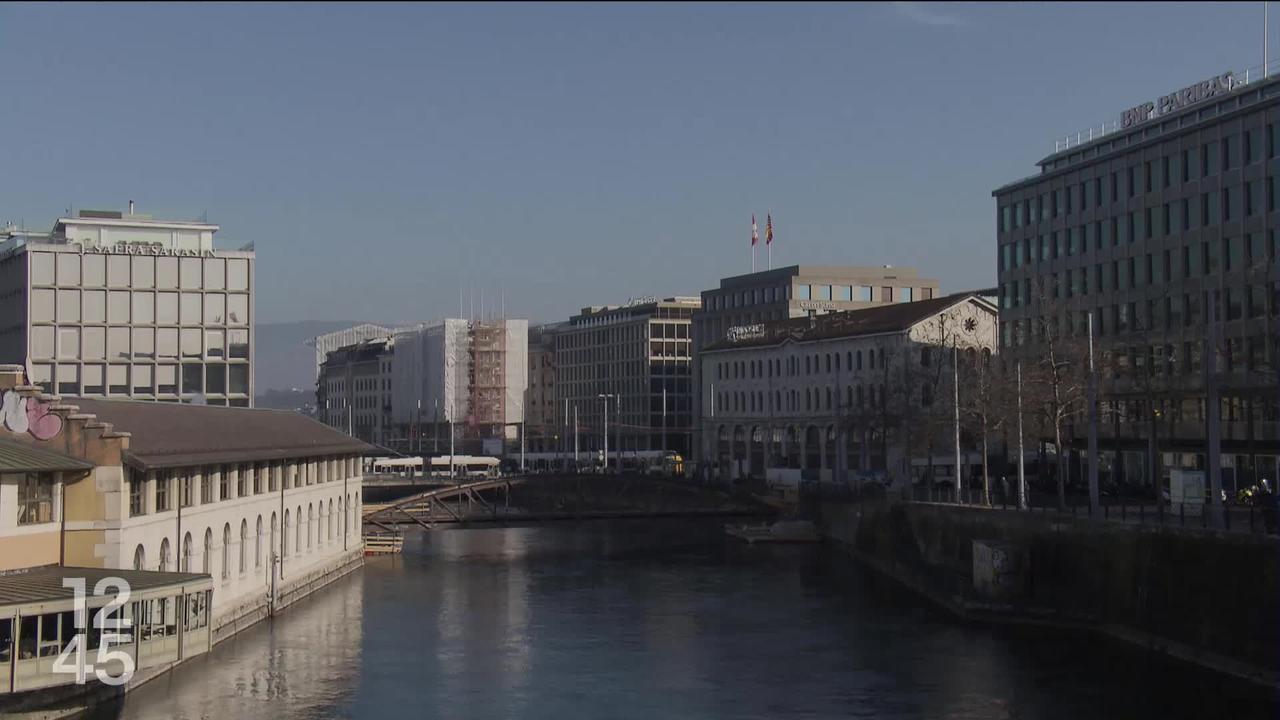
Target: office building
point(640, 354)
point(798, 291)
point(353, 392)
point(544, 420)
point(841, 394)
point(1159, 227)
point(123, 305)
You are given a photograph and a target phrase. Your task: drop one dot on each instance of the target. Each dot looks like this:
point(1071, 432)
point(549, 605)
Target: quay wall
point(1205, 597)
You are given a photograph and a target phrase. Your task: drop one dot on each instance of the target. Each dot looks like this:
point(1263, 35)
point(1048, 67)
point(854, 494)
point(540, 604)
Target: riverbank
point(1201, 597)
point(74, 701)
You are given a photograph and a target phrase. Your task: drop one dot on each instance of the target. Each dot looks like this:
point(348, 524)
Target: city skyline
point(410, 164)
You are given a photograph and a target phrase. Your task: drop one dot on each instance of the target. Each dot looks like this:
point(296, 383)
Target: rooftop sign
point(1174, 101)
point(738, 333)
point(144, 248)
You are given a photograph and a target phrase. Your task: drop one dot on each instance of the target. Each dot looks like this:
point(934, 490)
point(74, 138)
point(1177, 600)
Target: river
point(656, 621)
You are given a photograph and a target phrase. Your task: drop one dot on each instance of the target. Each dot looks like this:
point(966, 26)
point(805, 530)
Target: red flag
point(768, 229)
point(755, 234)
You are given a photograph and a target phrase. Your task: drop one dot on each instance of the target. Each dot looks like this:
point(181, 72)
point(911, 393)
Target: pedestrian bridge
point(526, 499)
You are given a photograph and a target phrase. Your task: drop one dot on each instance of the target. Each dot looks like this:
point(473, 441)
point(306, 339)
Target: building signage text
point(739, 333)
point(642, 300)
point(817, 305)
point(1177, 100)
point(145, 248)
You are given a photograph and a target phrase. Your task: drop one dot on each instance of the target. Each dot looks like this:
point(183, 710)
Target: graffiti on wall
point(29, 415)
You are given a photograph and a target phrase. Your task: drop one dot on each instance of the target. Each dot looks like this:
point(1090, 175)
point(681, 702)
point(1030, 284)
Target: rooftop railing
point(1088, 135)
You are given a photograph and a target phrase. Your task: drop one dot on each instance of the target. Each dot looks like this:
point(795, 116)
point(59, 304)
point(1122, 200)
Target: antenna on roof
point(130, 207)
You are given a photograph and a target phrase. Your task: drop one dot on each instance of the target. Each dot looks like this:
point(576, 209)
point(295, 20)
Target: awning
point(19, 457)
point(44, 583)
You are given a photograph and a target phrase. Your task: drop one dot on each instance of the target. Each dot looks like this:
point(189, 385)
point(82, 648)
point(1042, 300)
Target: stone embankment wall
point(1211, 598)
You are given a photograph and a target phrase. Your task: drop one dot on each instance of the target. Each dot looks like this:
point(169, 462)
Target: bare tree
point(988, 403)
point(1056, 380)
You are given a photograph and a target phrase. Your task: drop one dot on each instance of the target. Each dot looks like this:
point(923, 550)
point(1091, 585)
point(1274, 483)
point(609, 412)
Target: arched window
point(284, 549)
point(828, 398)
point(164, 555)
point(207, 560)
point(859, 359)
point(837, 362)
point(848, 360)
point(140, 558)
point(328, 521)
point(185, 563)
point(244, 545)
point(828, 362)
point(311, 523)
point(226, 551)
point(257, 546)
point(297, 530)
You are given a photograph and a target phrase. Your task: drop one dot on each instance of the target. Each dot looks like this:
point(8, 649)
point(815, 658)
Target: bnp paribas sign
point(1175, 101)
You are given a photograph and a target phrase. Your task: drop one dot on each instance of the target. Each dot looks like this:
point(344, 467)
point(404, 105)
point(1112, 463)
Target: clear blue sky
point(380, 155)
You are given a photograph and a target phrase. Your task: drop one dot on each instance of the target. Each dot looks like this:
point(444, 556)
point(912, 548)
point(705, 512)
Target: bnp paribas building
point(1158, 228)
point(120, 304)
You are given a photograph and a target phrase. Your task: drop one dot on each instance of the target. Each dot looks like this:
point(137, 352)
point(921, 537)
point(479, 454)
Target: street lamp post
point(605, 456)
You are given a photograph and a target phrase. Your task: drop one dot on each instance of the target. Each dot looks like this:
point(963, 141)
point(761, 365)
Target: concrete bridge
point(545, 498)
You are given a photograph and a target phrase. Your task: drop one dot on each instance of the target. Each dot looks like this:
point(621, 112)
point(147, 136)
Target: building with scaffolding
point(468, 377)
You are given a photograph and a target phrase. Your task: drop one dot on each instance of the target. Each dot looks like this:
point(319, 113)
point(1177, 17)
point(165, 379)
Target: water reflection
point(299, 667)
point(659, 620)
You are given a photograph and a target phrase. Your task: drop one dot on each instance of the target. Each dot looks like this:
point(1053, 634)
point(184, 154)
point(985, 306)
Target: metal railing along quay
point(1259, 518)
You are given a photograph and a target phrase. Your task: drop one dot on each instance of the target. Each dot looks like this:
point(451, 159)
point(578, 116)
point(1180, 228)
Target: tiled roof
point(20, 457)
point(44, 584)
point(878, 320)
point(175, 434)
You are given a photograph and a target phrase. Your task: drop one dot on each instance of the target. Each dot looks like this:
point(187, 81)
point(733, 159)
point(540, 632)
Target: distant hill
point(303, 401)
point(281, 360)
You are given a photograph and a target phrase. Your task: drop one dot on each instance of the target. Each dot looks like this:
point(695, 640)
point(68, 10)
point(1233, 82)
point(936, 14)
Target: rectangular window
point(1210, 208)
point(1253, 146)
point(163, 480)
point(1212, 257)
point(802, 292)
point(167, 379)
point(35, 498)
point(1233, 258)
point(1209, 161)
point(186, 495)
point(224, 483)
point(137, 492)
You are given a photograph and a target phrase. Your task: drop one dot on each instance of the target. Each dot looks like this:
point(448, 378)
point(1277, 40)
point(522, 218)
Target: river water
point(656, 621)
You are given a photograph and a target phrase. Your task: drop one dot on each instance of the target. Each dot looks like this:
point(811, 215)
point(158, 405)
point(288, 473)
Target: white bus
point(396, 466)
point(465, 466)
point(642, 461)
